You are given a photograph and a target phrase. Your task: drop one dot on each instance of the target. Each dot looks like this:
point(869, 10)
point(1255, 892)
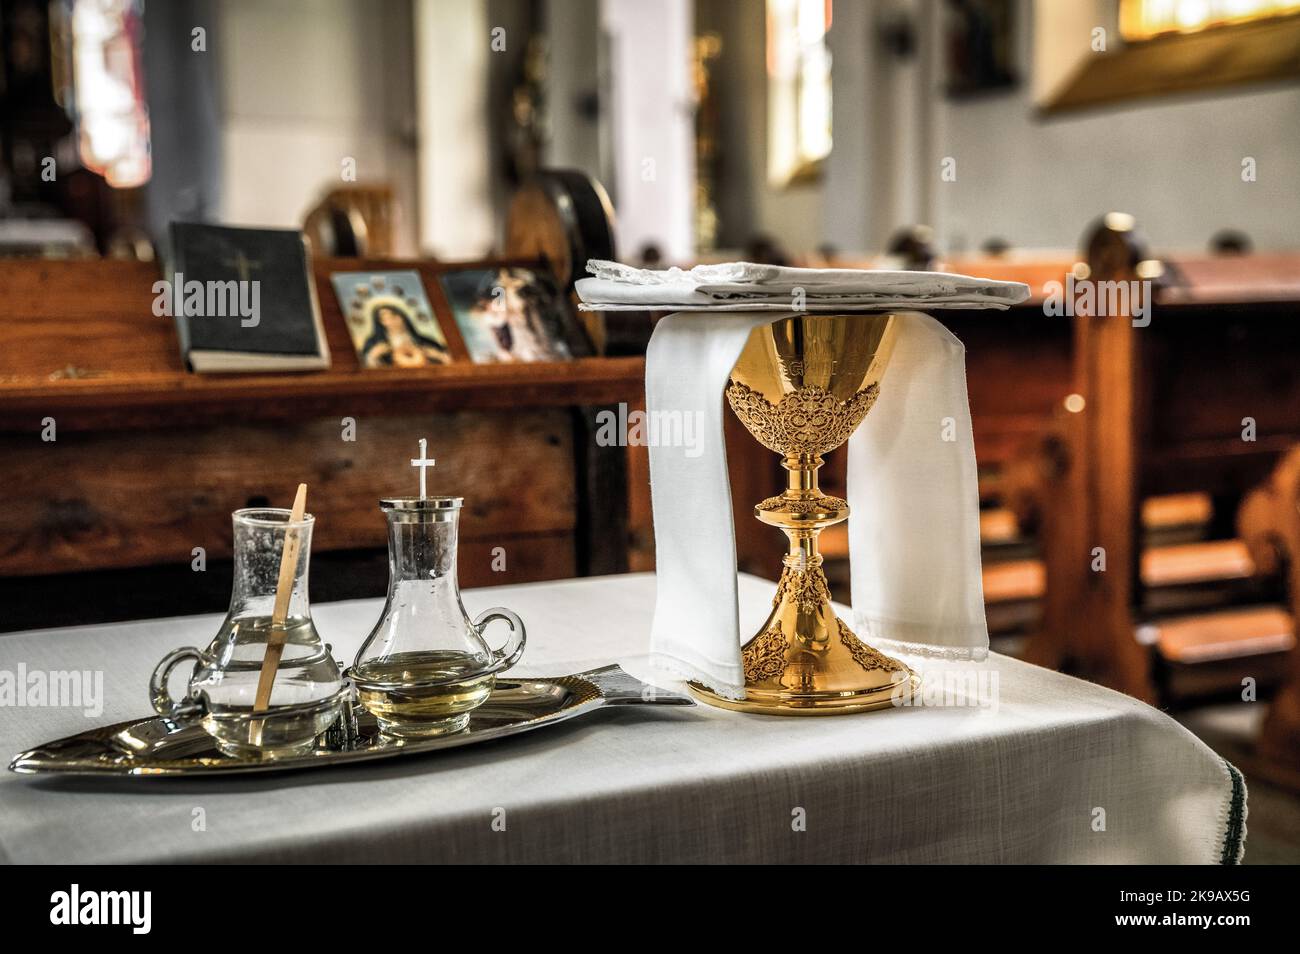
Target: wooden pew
point(1269, 523)
point(150, 459)
point(1018, 362)
point(1018, 369)
point(1160, 407)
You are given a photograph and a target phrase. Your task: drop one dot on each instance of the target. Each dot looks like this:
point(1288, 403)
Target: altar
point(1036, 767)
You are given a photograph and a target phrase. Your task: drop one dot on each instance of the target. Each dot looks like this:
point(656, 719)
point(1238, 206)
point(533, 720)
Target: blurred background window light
point(109, 101)
point(1144, 19)
point(799, 88)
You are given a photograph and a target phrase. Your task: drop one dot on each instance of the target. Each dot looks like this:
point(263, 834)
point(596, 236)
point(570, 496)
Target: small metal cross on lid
point(424, 462)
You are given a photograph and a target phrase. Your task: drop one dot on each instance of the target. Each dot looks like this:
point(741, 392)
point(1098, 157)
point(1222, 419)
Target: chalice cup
point(801, 386)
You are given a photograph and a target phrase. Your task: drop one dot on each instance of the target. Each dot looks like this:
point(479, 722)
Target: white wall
point(453, 46)
point(1038, 180)
point(1175, 163)
point(883, 121)
point(653, 125)
point(574, 47)
point(306, 83)
point(748, 204)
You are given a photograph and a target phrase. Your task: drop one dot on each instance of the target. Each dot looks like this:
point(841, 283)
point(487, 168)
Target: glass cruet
point(308, 691)
point(426, 665)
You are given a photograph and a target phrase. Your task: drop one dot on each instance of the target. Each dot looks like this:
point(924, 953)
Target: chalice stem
point(801, 477)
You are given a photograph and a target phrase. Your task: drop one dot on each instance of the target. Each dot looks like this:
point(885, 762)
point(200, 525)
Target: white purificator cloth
point(913, 493)
point(740, 286)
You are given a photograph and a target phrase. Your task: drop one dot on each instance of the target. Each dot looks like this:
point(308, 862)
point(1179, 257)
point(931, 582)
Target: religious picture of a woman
point(510, 308)
point(394, 342)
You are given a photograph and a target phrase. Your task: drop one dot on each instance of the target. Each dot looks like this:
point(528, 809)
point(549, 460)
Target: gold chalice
point(801, 386)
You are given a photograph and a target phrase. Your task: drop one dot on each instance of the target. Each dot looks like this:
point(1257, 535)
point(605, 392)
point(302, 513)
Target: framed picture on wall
point(979, 46)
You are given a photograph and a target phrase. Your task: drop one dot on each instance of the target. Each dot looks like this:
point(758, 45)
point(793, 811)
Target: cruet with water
point(266, 685)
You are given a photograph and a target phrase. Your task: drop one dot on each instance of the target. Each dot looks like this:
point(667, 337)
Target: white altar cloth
point(1022, 782)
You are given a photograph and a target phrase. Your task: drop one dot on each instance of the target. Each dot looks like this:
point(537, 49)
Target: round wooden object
point(564, 217)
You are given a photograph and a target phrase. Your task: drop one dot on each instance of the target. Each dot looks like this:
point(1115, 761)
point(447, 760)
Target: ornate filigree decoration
point(819, 504)
point(809, 420)
point(806, 588)
point(764, 656)
point(864, 655)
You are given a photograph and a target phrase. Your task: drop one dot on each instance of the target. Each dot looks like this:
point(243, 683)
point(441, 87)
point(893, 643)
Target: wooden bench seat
point(1185, 564)
point(1226, 634)
point(1220, 654)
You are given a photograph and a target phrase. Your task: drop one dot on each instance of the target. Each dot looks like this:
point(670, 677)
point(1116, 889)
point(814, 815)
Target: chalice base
point(807, 661)
point(810, 704)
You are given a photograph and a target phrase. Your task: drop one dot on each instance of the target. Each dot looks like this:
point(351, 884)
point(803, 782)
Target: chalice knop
point(801, 386)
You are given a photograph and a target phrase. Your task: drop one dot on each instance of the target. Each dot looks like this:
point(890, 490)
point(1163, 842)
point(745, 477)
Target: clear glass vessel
point(426, 666)
point(308, 691)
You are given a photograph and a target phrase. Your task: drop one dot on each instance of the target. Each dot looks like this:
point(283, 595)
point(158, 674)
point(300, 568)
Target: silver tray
point(158, 746)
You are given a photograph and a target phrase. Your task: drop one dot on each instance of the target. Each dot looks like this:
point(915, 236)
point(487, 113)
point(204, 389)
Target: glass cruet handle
point(509, 654)
point(163, 703)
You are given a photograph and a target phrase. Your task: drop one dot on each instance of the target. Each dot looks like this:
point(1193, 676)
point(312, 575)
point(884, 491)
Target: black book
point(245, 299)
